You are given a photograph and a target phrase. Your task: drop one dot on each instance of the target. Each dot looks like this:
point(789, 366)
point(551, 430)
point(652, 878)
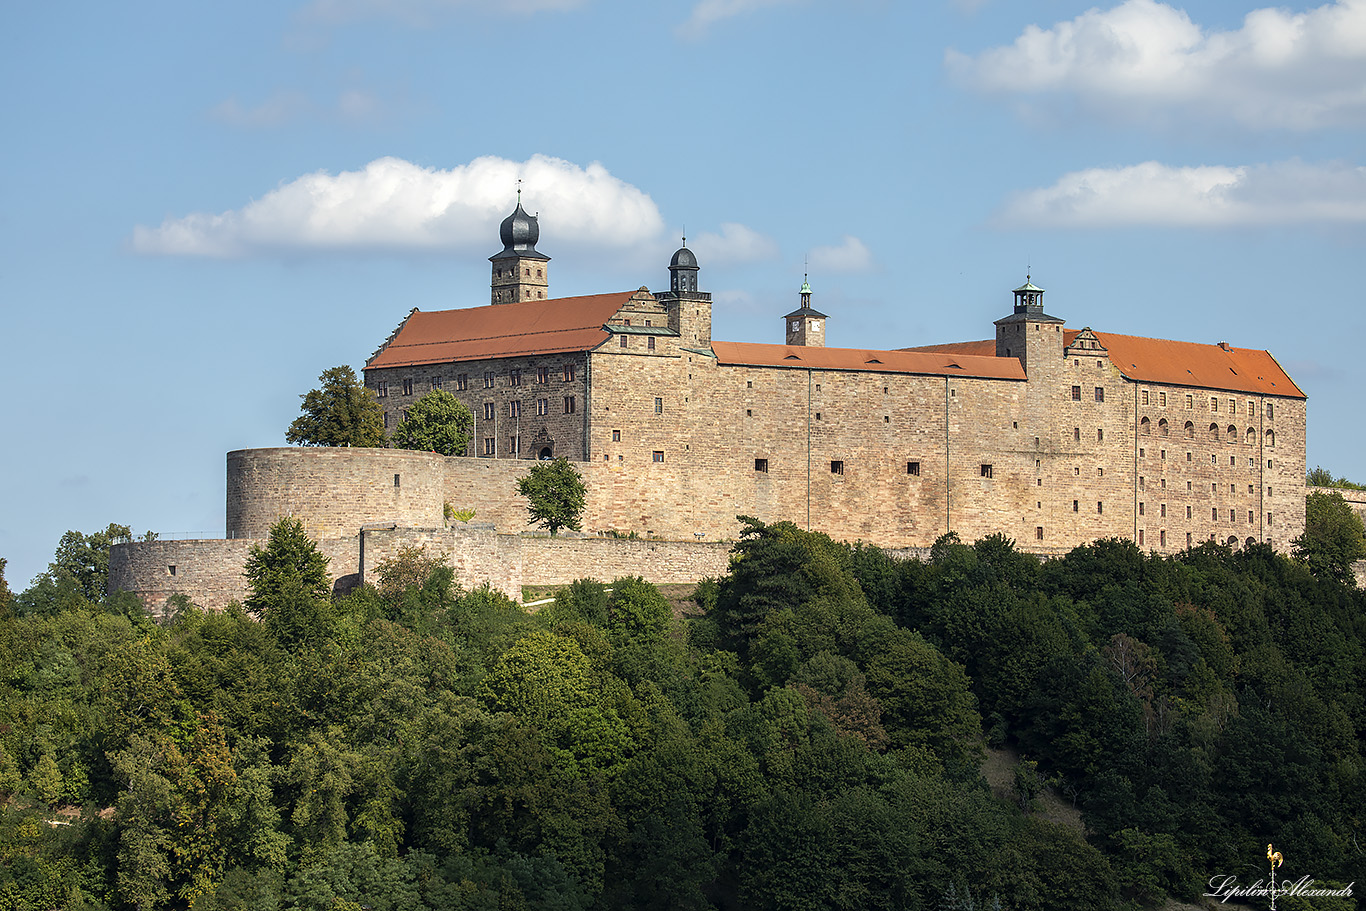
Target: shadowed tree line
point(811, 738)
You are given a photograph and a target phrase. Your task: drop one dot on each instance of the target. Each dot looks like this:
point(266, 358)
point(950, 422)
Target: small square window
point(1076, 393)
point(616, 436)
point(913, 468)
point(659, 455)
point(837, 467)
point(986, 471)
point(436, 382)
point(171, 569)
point(749, 384)
point(761, 465)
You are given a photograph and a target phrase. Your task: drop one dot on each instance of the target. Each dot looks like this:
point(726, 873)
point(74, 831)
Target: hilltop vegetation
point(811, 739)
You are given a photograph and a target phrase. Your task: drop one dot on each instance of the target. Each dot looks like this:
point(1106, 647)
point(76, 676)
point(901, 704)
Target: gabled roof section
point(501, 330)
point(925, 363)
point(984, 348)
point(1220, 366)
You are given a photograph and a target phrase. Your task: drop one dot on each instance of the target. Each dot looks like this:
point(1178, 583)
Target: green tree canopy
point(79, 571)
point(437, 422)
point(289, 582)
point(342, 413)
point(1333, 537)
point(5, 594)
point(1322, 477)
point(555, 495)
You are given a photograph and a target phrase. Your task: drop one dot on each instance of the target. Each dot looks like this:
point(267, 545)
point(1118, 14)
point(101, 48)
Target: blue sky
point(206, 205)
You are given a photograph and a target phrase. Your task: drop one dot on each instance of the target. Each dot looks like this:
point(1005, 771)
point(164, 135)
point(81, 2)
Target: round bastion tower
point(520, 272)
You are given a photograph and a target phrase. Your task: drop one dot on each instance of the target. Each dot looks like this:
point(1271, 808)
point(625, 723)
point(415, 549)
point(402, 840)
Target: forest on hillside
point(812, 736)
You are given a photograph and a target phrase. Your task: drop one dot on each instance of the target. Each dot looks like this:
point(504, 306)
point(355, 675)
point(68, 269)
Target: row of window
point(649, 341)
point(462, 380)
point(514, 409)
point(1161, 401)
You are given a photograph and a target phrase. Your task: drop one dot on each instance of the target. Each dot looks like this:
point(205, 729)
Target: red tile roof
point(985, 348)
point(796, 356)
point(1156, 360)
point(501, 330)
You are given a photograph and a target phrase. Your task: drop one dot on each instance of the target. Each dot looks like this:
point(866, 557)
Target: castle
point(1052, 436)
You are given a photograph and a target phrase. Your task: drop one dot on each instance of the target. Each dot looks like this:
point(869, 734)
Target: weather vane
point(1274, 858)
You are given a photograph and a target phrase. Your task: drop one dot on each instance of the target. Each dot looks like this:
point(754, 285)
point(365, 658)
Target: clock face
point(796, 325)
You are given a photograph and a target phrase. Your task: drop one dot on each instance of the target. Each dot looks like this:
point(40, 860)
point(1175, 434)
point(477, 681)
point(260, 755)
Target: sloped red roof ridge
point(857, 359)
point(551, 326)
point(983, 348)
point(1157, 360)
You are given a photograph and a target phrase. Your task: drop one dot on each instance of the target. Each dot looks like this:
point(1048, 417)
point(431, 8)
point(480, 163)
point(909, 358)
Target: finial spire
point(519, 191)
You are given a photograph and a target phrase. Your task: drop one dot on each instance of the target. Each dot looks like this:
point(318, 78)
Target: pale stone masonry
point(1052, 436)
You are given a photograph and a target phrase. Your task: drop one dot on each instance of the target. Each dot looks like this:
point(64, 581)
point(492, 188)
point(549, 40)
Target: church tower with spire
point(805, 326)
point(520, 272)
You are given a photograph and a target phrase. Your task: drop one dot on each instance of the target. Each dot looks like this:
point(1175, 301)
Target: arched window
point(1232, 434)
point(1145, 426)
point(1190, 431)
point(1251, 437)
point(1162, 427)
point(1214, 433)
point(1271, 438)
point(1250, 541)
point(1233, 541)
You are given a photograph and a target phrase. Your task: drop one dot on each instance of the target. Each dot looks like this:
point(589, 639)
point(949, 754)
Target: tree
point(1333, 537)
point(79, 570)
point(341, 413)
point(437, 422)
point(289, 582)
point(5, 594)
point(554, 493)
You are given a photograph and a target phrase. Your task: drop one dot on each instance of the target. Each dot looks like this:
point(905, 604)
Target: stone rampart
point(333, 491)
point(209, 572)
point(560, 560)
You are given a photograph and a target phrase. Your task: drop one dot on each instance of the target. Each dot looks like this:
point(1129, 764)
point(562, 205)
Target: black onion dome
point(519, 233)
point(683, 259)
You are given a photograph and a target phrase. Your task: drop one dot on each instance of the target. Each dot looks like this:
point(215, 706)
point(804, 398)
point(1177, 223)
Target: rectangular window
point(490, 447)
point(1190, 403)
point(515, 443)
point(1076, 393)
point(1269, 409)
point(1038, 533)
point(396, 480)
point(1213, 404)
point(569, 373)
point(1140, 508)
point(488, 379)
point(1142, 482)
point(1162, 399)
point(407, 387)
point(1163, 511)
point(1249, 517)
point(515, 376)
point(488, 411)
point(462, 381)
point(1076, 507)
point(515, 408)
point(1100, 508)
point(1145, 396)
point(1251, 408)
point(761, 465)
point(659, 405)
point(1100, 435)
point(1214, 514)
point(542, 407)
point(1268, 518)
point(1162, 538)
point(616, 436)
point(381, 390)
point(986, 471)
point(542, 374)
point(659, 455)
point(1188, 539)
point(1232, 516)
point(569, 404)
point(1163, 455)
point(913, 468)
point(1188, 512)
point(1140, 537)
point(1100, 393)
point(1076, 434)
point(623, 339)
point(837, 467)
point(650, 343)
point(1232, 406)
point(436, 382)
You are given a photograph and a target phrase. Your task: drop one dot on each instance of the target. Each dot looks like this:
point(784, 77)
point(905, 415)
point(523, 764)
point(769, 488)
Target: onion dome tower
point(806, 326)
point(683, 270)
point(689, 309)
point(520, 272)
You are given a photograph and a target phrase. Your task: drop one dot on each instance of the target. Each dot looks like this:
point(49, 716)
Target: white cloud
point(422, 13)
point(735, 244)
point(849, 256)
point(395, 205)
point(707, 12)
point(1155, 194)
point(1142, 58)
